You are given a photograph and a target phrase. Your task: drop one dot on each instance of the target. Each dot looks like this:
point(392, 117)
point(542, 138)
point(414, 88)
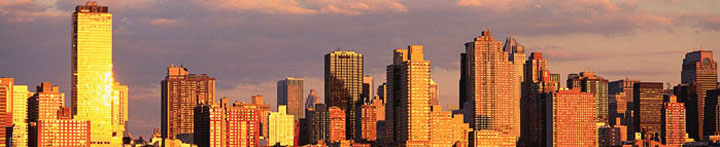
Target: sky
point(248, 45)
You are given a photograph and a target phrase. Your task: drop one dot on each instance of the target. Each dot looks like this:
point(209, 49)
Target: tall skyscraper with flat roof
point(414, 109)
point(181, 92)
point(491, 90)
point(393, 97)
point(343, 86)
point(282, 128)
point(290, 93)
point(92, 71)
point(648, 101)
point(673, 122)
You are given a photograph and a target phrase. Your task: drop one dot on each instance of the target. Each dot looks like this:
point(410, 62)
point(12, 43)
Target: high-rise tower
point(290, 94)
point(589, 82)
point(343, 86)
point(6, 115)
point(414, 108)
point(699, 74)
point(181, 92)
point(491, 90)
point(92, 71)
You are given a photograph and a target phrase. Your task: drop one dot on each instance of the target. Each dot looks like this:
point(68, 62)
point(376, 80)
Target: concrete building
point(673, 122)
point(491, 90)
point(20, 115)
point(699, 70)
point(282, 128)
point(589, 82)
point(447, 129)
point(181, 92)
point(571, 119)
point(648, 101)
point(223, 124)
point(6, 113)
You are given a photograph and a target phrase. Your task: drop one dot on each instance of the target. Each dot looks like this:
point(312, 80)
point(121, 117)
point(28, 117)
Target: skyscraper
point(92, 71)
point(571, 119)
point(589, 82)
point(290, 93)
point(20, 104)
point(463, 79)
point(712, 127)
point(648, 101)
point(282, 128)
point(393, 97)
point(517, 57)
point(699, 72)
point(673, 122)
point(181, 92)
point(6, 114)
point(491, 90)
point(536, 88)
point(343, 86)
point(447, 129)
point(621, 91)
point(414, 108)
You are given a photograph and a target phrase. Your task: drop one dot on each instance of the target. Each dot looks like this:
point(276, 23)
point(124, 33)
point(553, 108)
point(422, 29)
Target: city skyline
point(134, 63)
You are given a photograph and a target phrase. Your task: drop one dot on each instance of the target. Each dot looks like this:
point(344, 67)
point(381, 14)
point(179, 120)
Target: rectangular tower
point(673, 122)
point(20, 104)
point(6, 107)
point(491, 90)
point(414, 108)
point(648, 101)
point(290, 93)
point(343, 86)
point(571, 120)
point(181, 92)
point(589, 82)
point(92, 70)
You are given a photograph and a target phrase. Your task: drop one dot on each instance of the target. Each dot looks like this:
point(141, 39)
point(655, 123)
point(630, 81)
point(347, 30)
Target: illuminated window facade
point(343, 86)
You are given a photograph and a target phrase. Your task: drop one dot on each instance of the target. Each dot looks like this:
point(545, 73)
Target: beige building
point(491, 91)
point(119, 110)
point(414, 110)
point(282, 128)
point(447, 129)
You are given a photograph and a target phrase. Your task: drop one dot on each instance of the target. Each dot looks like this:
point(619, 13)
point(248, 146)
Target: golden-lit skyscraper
point(290, 94)
point(282, 128)
point(414, 108)
point(119, 111)
point(223, 124)
point(181, 92)
point(572, 122)
point(6, 97)
point(517, 57)
point(491, 90)
point(589, 82)
point(343, 86)
point(20, 105)
point(92, 70)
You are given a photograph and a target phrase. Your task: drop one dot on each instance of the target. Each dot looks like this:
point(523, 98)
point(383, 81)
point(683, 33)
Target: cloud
point(25, 10)
point(307, 7)
point(162, 22)
point(703, 21)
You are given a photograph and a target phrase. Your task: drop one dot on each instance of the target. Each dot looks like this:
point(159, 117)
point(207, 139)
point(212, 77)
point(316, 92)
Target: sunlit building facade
point(223, 124)
point(447, 129)
point(343, 86)
point(181, 92)
point(290, 93)
point(119, 111)
point(414, 108)
point(6, 115)
point(673, 122)
point(92, 71)
point(282, 128)
point(434, 92)
point(337, 124)
point(20, 105)
point(491, 90)
point(589, 82)
point(517, 57)
point(64, 133)
point(699, 72)
point(537, 85)
point(571, 119)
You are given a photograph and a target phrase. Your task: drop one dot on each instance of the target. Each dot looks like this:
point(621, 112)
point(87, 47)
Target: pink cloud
point(307, 7)
point(25, 10)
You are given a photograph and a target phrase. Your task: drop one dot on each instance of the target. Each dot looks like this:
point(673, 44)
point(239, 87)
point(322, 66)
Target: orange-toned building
point(181, 92)
point(337, 124)
point(6, 97)
point(63, 132)
point(572, 119)
point(220, 124)
point(673, 122)
point(371, 114)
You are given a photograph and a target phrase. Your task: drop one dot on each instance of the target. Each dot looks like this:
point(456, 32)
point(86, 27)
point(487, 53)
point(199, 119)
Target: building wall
point(337, 124)
point(573, 123)
point(64, 133)
point(282, 128)
point(290, 93)
point(181, 92)
point(93, 70)
point(673, 123)
point(6, 105)
point(343, 86)
point(20, 104)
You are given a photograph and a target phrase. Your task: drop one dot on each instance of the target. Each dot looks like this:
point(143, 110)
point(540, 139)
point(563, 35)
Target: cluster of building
point(505, 99)
point(99, 108)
